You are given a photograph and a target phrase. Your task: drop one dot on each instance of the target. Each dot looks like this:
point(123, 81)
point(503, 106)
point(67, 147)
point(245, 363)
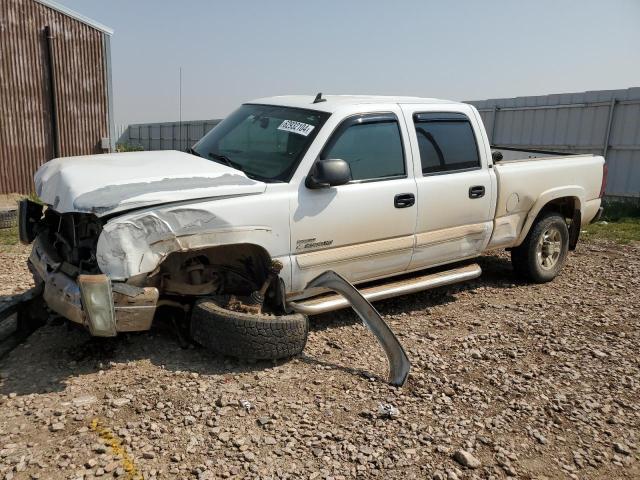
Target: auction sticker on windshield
point(296, 127)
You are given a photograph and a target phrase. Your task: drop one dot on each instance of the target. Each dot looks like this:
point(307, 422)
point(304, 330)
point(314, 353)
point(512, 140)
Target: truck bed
point(527, 184)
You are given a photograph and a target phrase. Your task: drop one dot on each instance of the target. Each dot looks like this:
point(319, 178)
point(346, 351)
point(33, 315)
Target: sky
point(237, 50)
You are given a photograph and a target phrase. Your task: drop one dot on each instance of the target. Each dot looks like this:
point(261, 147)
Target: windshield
point(264, 141)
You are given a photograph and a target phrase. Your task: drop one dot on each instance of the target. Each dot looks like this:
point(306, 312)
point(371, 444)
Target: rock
point(56, 427)
point(189, 420)
point(148, 455)
point(224, 401)
point(99, 448)
point(621, 448)
point(452, 475)
point(539, 437)
point(366, 450)
point(466, 459)
point(84, 400)
point(249, 456)
point(262, 421)
point(386, 410)
point(119, 402)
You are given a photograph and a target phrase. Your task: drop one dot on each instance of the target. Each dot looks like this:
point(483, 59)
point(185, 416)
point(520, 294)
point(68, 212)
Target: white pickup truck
point(282, 190)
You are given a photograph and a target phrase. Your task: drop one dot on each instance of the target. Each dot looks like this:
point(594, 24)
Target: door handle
point(404, 200)
point(476, 191)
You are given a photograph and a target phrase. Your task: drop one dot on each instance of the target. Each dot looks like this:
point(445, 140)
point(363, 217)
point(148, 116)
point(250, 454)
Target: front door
point(364, 229)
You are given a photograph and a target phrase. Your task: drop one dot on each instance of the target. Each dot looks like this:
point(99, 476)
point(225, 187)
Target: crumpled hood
point(109, 183)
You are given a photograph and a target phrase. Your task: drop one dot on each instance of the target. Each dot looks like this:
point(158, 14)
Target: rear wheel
point(248, 336)
point(544, 251)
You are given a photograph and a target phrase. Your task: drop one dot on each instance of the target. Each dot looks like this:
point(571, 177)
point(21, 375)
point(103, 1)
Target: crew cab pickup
point(285, 188)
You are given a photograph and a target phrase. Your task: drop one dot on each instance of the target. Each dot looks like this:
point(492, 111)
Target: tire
point(544, 251)
point(246, 336)
point(8, 218)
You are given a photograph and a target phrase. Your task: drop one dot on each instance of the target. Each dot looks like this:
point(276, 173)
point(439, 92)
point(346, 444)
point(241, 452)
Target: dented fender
point(138, 242)
point(138, 245)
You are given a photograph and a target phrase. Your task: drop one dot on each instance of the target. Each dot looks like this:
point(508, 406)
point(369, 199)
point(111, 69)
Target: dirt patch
point(532, 381)
point(10, 200)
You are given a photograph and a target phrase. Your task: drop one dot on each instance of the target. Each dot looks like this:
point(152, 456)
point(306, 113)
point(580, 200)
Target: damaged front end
point(66, 259)
point(63, 261)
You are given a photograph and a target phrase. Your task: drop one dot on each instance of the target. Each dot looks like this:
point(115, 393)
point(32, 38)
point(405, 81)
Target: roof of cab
point(333, 102)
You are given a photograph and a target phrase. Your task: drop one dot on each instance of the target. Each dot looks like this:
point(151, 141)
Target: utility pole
point(180, 110)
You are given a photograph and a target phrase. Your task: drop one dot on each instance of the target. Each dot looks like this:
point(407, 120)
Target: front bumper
point(133, 308)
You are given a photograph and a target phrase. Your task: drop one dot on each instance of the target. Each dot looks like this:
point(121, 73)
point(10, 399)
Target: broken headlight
point(97, 300)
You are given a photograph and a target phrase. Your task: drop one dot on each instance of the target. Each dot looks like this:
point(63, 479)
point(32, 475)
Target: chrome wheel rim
point(549, 248)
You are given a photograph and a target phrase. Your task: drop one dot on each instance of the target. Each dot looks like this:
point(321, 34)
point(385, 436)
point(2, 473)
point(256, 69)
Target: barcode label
point(296, 127)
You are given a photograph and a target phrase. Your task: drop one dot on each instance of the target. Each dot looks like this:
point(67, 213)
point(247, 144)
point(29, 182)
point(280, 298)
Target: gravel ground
point(508, 379)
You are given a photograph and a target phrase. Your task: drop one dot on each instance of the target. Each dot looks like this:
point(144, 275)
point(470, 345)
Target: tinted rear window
point(446, 142)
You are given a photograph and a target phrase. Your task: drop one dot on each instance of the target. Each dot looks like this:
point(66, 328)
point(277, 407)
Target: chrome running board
point(329, 303)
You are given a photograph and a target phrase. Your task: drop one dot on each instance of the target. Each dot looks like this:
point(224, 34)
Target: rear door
point(364, 229)
point(455, 187)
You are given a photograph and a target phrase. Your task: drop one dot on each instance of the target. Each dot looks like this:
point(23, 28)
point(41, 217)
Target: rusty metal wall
point(603, 122)
point(81, 81)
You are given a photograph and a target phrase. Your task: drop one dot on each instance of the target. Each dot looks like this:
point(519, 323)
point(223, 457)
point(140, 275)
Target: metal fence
point(605, 122)
point(166, 135)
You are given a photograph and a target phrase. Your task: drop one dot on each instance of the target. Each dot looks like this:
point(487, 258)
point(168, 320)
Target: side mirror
point(496, 156)
point(328, 173)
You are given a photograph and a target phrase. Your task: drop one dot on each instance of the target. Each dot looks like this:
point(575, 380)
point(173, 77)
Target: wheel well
point(237, 269)
point(569, 208)
point(566, 206)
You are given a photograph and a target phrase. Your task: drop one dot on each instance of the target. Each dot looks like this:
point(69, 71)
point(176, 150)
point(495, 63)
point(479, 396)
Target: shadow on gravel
point(56, 353)
point(352, 371)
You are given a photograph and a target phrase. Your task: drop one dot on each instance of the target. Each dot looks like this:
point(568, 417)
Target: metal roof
point(78, 16)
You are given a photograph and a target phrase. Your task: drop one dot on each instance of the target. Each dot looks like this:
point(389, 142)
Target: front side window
point(371, 145)
point(446, 142)
point(264, 141)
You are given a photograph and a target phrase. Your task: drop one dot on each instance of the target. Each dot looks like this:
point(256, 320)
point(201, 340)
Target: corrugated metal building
point(604, 122)
point(55, 88)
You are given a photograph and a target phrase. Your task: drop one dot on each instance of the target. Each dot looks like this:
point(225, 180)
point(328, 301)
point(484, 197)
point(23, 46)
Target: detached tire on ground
point(544, 251)
point(245, 336)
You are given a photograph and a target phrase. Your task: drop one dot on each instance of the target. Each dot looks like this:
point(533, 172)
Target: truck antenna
point(319, 98)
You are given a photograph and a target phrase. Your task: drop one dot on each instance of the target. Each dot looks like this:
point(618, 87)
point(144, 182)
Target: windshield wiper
point(226, 160)
point(193, 152)
point(230, 163)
